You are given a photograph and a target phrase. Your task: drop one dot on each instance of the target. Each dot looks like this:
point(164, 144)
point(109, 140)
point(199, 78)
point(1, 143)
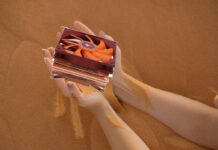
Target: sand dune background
point(168, 44)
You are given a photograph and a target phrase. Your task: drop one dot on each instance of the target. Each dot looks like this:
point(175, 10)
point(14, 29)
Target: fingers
point(51, 50)
point(63, 87)
point(78, 26)
point(216, 101)
point(46, 53)
point(86, 98)
point(58, 35)
point(75, 91)
point(62, 28)
point(48, 63)
point(103, 35)
point(59, 82)
point(82, 27)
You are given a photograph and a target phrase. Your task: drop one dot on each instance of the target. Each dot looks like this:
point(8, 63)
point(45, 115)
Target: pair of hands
point(69, 89)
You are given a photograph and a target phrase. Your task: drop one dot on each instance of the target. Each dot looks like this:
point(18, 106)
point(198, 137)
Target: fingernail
point(69, 85)
point(43, 52)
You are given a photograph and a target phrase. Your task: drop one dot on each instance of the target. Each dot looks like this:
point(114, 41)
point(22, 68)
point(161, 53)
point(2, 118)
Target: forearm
point(189, 118)
point(118, 133)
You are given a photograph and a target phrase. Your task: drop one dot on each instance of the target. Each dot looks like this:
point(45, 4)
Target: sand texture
point(171, 45)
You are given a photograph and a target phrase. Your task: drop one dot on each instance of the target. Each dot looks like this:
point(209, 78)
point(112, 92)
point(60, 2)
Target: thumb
point(75, 91)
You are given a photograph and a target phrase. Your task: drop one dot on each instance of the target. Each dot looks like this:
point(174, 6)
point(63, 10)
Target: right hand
point(71, 89)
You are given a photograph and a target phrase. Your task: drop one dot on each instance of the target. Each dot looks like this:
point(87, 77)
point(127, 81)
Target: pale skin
point(188, 118)
point(118, 133)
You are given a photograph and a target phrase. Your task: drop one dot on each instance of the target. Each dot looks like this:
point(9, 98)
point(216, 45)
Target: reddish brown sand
point(168, 44)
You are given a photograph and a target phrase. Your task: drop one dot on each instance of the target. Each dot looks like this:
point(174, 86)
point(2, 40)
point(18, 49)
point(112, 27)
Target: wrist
point(119, 83)
point(119, 78)
point(99, 106)
point(103, 108)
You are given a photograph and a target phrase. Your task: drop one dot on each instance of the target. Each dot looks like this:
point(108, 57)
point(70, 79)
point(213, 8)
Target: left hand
point(71, 89)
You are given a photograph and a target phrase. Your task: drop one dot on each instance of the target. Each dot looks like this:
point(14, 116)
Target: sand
point(170, 45)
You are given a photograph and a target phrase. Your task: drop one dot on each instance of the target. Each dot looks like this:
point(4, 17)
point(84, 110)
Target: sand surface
point(170, 45)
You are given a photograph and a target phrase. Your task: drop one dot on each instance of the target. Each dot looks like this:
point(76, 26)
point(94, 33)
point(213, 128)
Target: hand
point(61, 83)
point(94, 100)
